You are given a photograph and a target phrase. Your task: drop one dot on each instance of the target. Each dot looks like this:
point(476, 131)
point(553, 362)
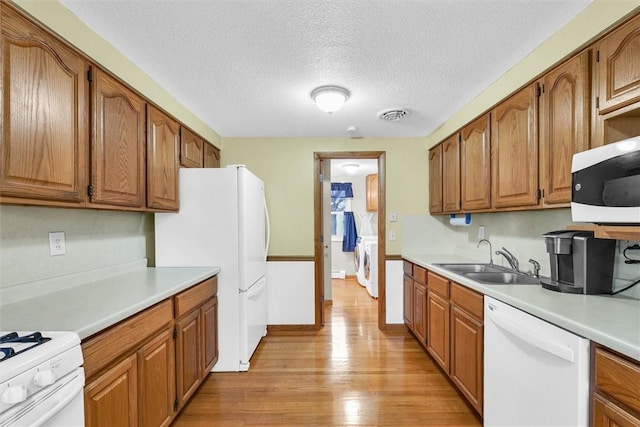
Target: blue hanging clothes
point(350, 234)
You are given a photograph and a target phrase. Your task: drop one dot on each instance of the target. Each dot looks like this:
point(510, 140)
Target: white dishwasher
point(535, 373)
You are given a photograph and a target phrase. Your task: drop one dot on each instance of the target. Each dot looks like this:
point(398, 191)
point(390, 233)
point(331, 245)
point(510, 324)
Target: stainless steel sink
point(470, 268)
point(503, 278)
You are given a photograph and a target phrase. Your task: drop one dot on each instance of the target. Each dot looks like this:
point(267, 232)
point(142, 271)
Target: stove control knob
point(14, 394)
point(44, 378)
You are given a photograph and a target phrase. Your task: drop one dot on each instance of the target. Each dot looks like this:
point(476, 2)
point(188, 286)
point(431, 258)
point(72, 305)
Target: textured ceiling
point(247, 67)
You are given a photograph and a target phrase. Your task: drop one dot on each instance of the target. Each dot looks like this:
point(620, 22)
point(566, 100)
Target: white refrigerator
point(223, 223)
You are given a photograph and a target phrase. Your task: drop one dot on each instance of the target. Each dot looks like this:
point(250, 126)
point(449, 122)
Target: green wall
point(286, 167)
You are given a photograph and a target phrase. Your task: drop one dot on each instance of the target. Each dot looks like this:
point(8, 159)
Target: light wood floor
point(349, 373)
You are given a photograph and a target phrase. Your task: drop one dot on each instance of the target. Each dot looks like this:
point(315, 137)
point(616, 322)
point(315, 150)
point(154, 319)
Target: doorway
point(320, 229)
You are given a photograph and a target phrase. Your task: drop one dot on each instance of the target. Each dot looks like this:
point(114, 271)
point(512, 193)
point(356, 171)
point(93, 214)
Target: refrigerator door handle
point(266, 215)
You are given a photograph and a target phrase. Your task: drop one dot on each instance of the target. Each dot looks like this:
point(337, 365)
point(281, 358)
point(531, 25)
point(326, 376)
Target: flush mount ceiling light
point(351, 168)
point(330, 98)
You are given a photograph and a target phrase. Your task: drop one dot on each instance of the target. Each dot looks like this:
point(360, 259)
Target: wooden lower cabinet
point(447, 320)
point(156, 380)
point(616, 389)
point(209, 318)
point(420, 311)
point(143, 370)
point(111, 399)
point(438, 329)
point(466, 368)
point(407, 311)
point(188, 344)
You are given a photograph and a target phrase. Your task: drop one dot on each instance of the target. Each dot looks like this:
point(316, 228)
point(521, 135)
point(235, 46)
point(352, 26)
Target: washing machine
point(358, 256)
point(371, 268)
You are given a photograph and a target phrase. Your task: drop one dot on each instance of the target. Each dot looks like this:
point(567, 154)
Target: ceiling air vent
point(392, 114)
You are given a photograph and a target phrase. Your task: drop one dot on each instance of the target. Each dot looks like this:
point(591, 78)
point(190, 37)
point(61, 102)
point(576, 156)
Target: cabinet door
point(163, 145)
point(451, 174)
point(420, 312)
point(189, 353)
point(407, 305)
point(435, 179)
point(118, 173)
point(44, 144)
point(157, 380)
point(475, 165)
point(467, 356)
point(211, 156)
point(191, 149)
point(608, 414)
point(112, 399)
point(564, 125)
point(619, 67)
point(372, 192)
point(209, 316)
point(438, 329)
point(514, 146)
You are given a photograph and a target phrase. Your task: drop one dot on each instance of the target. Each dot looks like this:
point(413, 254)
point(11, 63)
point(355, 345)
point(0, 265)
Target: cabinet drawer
point(420, 274)
point(407, 268)
point(469, 300)
point(618, 378)
point(105, 347)
point(438, 284)
point(195, 296)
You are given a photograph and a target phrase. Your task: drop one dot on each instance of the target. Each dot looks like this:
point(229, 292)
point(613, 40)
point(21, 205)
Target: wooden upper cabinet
point(211, 156)
point(514, 146)
point(44, 115)
point(191, 149)
point(163, 145)
point(564, 125)
point(619, 67)
point(118, 174)
point(451, 174)
point(475, 165)
point(372, 192)
point(435, 179)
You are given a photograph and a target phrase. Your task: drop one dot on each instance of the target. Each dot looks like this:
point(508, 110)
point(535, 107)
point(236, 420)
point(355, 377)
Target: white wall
point(94, 239)
point(394, 292)
point(290, 293)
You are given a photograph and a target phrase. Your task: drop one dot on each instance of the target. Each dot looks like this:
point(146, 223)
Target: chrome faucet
point(490, 250)
point(513, 262)
point(536, 268)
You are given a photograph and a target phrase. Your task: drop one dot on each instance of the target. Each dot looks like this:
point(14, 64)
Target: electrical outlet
point(392, 235)
point(481, 232)
point(57, 243)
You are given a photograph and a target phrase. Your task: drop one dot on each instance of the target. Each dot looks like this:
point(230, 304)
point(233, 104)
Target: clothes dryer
point(358, 256)
point(371, 268)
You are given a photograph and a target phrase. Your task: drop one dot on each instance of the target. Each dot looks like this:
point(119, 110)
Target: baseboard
point(395, 328)
point(289, 328)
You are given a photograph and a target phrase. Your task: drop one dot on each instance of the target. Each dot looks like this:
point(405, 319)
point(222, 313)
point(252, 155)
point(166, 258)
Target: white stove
point(41, 379)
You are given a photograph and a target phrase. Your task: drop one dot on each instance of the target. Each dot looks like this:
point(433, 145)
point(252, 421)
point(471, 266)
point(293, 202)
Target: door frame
point(318, 157)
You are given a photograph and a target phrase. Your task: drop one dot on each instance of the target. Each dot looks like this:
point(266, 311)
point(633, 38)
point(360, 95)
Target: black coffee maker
point(580, 263)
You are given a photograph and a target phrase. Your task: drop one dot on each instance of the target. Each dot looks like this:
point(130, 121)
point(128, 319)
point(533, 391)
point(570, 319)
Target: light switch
point(481, 232)
point(392, 216)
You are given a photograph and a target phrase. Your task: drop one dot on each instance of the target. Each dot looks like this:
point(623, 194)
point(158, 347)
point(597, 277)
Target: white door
point(252, 249)
point(326, 227)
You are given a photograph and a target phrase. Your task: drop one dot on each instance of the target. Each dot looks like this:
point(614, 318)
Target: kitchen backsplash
point(519, 232)
point(94, 239)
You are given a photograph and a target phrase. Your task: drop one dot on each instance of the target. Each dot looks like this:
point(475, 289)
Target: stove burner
point(7, 351)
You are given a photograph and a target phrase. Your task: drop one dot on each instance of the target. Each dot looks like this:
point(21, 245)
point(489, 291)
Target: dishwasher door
point(536, 374)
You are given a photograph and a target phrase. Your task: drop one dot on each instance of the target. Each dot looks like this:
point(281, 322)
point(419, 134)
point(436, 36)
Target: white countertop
point(91, 307)
point(613, 321)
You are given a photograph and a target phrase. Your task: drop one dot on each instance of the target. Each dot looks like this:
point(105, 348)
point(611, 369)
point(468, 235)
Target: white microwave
point(606, 184)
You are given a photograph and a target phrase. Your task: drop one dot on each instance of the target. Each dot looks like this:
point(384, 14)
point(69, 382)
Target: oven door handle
point(63, 396)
